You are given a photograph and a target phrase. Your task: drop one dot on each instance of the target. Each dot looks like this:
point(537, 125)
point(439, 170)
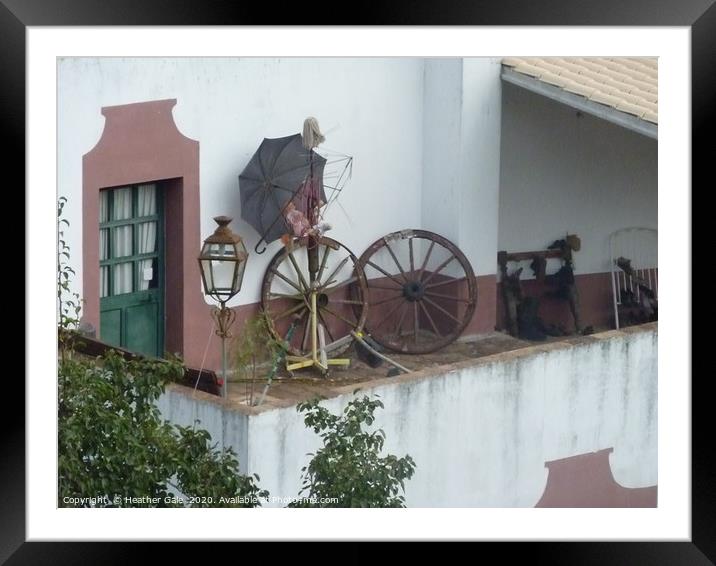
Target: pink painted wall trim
point(485, 317)
point(141, 143)
point(586, 480)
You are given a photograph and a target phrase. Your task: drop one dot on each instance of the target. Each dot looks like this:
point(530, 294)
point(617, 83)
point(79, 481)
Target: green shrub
point(348, 470)
point(115, 447)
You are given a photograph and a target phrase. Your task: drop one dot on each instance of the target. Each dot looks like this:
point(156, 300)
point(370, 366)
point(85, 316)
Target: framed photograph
point(114, 101)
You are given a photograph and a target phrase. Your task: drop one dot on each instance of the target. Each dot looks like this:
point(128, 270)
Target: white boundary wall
point(479, 431)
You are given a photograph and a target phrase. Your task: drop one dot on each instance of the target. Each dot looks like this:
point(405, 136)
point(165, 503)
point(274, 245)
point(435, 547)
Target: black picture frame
point(699, 15)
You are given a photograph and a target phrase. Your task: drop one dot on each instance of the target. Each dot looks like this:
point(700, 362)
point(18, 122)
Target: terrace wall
point(482, 431)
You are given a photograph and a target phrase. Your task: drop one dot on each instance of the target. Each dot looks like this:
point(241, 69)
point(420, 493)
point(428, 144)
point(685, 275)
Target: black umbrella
point(276, 175)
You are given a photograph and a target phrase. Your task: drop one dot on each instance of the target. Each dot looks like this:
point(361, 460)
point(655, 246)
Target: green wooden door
point(131, 252)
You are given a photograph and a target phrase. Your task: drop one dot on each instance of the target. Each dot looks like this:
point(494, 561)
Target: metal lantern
point(222, 262)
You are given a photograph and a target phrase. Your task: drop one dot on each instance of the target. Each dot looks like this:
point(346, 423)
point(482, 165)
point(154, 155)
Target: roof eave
point(613, 115)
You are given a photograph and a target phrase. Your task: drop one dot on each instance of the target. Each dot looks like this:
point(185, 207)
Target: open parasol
point(280, 172)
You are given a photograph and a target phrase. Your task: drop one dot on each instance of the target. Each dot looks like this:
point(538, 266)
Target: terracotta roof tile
point(629, 84)
point(607, 99)
point(631, 108)
point(531, 70)
point(577, 88)
point(556, 80)
point(651, 117)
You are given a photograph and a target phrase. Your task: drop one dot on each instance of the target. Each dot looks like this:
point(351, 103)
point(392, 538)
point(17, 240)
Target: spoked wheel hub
point(413, 291)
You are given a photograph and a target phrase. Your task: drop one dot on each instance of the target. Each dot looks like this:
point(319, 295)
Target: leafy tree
point(348, 470)
point(114, 445)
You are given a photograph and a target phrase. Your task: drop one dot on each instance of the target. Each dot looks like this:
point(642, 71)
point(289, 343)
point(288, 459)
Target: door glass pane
point(103, 244)
point(122, 243)
point(122, 278)
point(104, 206)
point(103, 271)
point(147, 274)
point(146, 237)
point(122, 205)
point(146, 200)
point(103, 281)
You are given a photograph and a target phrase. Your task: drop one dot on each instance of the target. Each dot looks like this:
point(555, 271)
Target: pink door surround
point(141, 143)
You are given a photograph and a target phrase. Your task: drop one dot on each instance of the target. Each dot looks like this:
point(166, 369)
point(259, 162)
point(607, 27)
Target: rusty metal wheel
point(422, 291)
point(328, 266)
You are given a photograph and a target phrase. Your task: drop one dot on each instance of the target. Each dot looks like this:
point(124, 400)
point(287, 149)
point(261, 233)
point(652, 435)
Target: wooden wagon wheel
point(421, 291)
point(340, 299)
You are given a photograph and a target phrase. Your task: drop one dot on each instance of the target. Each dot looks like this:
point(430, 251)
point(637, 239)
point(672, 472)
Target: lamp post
point(222, 262)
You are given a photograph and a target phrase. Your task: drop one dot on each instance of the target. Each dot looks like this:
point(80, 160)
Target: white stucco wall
point(442, 124)
point(370, 109)
point(480, 432)
point(461, 155)
point(562, 173)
